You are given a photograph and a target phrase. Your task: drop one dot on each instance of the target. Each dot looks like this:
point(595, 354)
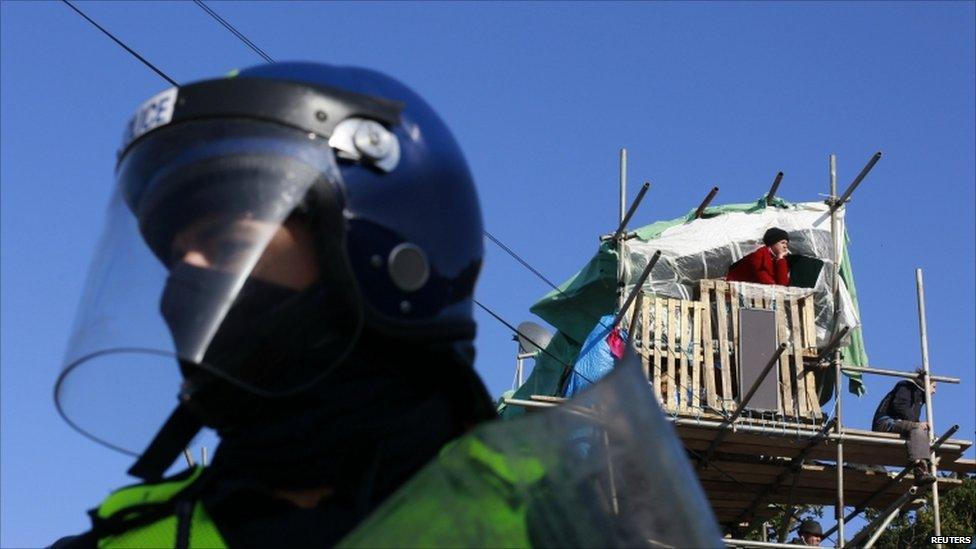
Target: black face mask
point(187, 304)
point(272, 338)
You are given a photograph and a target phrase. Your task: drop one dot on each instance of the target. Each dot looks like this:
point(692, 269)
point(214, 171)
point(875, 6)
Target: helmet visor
point(211, 261)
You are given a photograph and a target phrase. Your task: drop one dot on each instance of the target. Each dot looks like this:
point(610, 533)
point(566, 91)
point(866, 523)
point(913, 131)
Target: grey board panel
point(757, 343)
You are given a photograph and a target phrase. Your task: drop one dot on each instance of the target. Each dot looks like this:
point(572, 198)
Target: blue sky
point(541, 97)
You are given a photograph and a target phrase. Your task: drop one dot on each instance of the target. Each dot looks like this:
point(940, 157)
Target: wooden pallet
point(670, 345)
point(795, 327)
point(690, 351)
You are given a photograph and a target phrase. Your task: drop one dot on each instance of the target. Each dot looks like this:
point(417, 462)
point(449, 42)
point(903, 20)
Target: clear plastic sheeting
point(604, 469)
point(705, 248)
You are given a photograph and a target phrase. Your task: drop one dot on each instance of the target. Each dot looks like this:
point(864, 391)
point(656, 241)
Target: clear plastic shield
point(605, 469)
point(207, 262)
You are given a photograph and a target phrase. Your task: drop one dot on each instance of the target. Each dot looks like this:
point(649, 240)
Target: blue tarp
point(595, 359)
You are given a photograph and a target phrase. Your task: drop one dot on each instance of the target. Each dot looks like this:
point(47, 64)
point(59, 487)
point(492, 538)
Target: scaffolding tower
point(754, 465)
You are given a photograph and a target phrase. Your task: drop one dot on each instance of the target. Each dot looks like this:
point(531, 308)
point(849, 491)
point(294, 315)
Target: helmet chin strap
point(175, 435)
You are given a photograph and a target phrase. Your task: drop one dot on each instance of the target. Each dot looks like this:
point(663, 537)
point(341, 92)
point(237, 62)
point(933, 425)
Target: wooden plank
point(721, 300)
point(673, 387)
point(805, 384)
point(683, 388)
point(709, 356)
point(785, 379)
point(809, 325)
point(796, 357)
point(810, 335)
point(707, 433)
point(646, 336)
point(859, 484)
point(854, 451)
point(959, 466)
point(734, 289)
point(695, 346)
point(656, 365)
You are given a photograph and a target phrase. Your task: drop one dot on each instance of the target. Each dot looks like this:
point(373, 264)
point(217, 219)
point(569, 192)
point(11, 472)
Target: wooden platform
point(739, 482)
point(739, 490)
point(885, 448)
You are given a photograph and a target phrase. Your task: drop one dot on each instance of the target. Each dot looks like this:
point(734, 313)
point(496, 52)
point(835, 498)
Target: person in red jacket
point(768, 264)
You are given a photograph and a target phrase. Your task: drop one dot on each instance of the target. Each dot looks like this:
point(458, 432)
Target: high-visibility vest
point(467, 497)
point(157, 514)
point(161, 514)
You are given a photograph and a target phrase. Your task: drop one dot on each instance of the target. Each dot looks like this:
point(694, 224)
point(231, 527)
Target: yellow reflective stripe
point(162, 533)
point(145, 493)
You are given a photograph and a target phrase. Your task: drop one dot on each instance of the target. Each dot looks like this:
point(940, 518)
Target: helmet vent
point(366, 141)
point(408, 267)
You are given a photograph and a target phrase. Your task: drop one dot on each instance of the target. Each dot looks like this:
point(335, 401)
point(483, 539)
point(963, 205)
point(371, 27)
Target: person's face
point(781, 248)
point(288, 259)
point(811, 539)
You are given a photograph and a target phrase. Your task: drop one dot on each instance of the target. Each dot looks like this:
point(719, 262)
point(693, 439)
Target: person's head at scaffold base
point(289, 258)
point(810, 532)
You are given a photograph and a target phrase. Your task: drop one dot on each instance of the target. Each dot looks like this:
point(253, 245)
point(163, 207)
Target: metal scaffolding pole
point(621, 245)
point(895, 480)
point(749, 543)
point(884, 518)
point(896, 373)
point(838, 377)
point(884, 525)
point(704, 203)
point(930, 416)
point(771, 195)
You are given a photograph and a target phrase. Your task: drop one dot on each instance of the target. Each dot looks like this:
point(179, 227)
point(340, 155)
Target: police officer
point(303, 242)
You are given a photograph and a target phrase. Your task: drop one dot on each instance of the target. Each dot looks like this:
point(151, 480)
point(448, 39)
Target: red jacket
point(759, 266)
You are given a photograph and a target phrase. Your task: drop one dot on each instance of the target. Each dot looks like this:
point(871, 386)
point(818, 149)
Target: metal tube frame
point(622, 228)
point(929, 415)
point(704, 204)
point(633, 317)
point(773, 188)
point(834, 342)
point(860, 507)
point(881, 528)
point(838, 202)
point(896, 373)
point(621, 244)
point(838, 391)
point(519, 365)
point(882, 518)
point(637, 288)
point(762, 544)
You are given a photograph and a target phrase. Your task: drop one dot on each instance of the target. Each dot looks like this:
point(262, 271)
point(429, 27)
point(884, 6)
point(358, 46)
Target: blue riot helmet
point(219, 182)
